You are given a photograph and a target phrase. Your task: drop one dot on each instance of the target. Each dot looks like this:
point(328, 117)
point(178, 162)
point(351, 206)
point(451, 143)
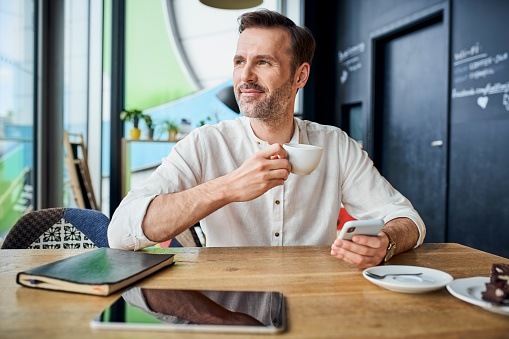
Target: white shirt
point(303, 211)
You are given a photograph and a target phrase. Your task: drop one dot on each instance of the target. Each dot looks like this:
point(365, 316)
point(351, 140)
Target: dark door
point(411, 117)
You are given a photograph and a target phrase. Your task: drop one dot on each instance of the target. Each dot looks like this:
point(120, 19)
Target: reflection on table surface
point(174, 306)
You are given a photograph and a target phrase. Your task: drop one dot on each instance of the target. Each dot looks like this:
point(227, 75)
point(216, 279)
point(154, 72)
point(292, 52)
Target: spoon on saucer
point(377, 276)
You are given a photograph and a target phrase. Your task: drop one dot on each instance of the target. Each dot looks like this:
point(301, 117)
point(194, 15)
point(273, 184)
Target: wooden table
point(326, 297)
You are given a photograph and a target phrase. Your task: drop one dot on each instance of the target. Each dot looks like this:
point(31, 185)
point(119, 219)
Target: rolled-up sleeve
point(173, 175)
point(125, 231)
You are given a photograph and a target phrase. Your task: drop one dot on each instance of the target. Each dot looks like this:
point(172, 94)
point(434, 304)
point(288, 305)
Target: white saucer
point(429, 280)
point(470, 289)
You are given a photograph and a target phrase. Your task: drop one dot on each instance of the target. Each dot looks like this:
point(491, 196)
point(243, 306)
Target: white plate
point(429, 280)
point(470, 289)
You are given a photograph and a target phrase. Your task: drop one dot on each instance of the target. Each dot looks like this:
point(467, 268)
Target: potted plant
point(202, 122)
point(150, 126)
point(172, 128)
point(133, 115)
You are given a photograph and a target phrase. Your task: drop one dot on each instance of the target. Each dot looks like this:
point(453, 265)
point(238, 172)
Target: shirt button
point(276, 234)
point(277, 202)
point(258, 142)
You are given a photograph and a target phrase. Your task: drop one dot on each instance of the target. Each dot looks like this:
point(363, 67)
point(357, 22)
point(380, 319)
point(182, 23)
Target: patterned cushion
point(93, 224)
point(62, 235)
point(59, 228)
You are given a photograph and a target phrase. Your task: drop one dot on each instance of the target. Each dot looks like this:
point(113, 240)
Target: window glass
point(82, 91)
point(181, 76)
point(16, 110)
point(106, 104)
point(351, 121)
point(75, 78)
point(355, 117)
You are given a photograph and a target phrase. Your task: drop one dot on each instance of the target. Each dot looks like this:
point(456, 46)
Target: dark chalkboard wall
point(480, 61)
point(478, 139)
point(479, 130)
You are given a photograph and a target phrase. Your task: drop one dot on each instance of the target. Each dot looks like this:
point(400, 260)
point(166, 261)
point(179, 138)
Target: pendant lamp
point(232, 4)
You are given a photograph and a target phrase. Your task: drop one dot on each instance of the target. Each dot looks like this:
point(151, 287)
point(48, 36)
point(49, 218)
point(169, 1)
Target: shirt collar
point(247, 126)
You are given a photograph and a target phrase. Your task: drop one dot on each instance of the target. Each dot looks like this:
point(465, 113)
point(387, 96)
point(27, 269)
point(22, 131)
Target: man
point(235, 179)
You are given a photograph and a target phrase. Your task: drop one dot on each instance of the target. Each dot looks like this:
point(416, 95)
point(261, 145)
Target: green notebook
point(101, 271)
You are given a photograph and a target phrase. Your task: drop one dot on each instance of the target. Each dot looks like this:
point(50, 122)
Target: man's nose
point(248, 74)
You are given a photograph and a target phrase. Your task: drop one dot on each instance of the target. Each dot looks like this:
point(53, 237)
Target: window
point(82, 84)
point(352, 121)
point(17, 32)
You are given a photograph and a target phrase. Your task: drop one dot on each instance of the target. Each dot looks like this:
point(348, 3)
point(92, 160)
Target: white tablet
point(195, 310)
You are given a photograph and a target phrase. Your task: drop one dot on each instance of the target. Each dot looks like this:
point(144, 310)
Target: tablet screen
point(195, 310)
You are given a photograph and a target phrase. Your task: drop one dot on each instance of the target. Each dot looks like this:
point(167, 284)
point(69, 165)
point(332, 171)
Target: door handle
point(437, 143)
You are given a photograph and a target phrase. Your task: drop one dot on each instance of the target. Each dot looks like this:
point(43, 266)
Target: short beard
point(272, 110)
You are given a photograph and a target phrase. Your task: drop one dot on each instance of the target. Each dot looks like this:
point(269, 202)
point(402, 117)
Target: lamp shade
point(232, 4)
point(228, 98)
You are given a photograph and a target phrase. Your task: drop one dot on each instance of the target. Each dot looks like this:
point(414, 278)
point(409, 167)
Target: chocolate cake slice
point(497, 290)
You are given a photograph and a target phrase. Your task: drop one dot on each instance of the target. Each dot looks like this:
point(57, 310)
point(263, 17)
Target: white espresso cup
point(303, 158)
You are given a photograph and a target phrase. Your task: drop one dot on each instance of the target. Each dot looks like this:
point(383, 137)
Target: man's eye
point(263, 62)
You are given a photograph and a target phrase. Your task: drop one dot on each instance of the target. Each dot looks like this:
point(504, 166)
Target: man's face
point(262, 78)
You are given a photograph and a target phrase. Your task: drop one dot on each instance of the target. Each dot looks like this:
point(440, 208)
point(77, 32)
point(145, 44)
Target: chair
point(188, 238)
point(77, 167)
point(343, 217)
point(192, 237)
point(59, 228)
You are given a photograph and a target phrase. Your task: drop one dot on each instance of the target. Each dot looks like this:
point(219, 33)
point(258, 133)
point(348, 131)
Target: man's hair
point(303, 43)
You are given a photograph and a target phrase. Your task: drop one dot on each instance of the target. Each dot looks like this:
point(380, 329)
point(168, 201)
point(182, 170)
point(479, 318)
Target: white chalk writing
point(350, 59)
point(351, 51)
point(473, 51)
point(505, 101)
point(481, 74)
point(487, 61)
point(487, 90)
point(344, 76)
point(472, 64)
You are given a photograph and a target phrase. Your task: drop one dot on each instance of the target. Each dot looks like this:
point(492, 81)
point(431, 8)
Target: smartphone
point(363, 227)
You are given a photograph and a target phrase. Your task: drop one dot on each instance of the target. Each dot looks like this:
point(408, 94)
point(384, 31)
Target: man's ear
point(302, 75)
